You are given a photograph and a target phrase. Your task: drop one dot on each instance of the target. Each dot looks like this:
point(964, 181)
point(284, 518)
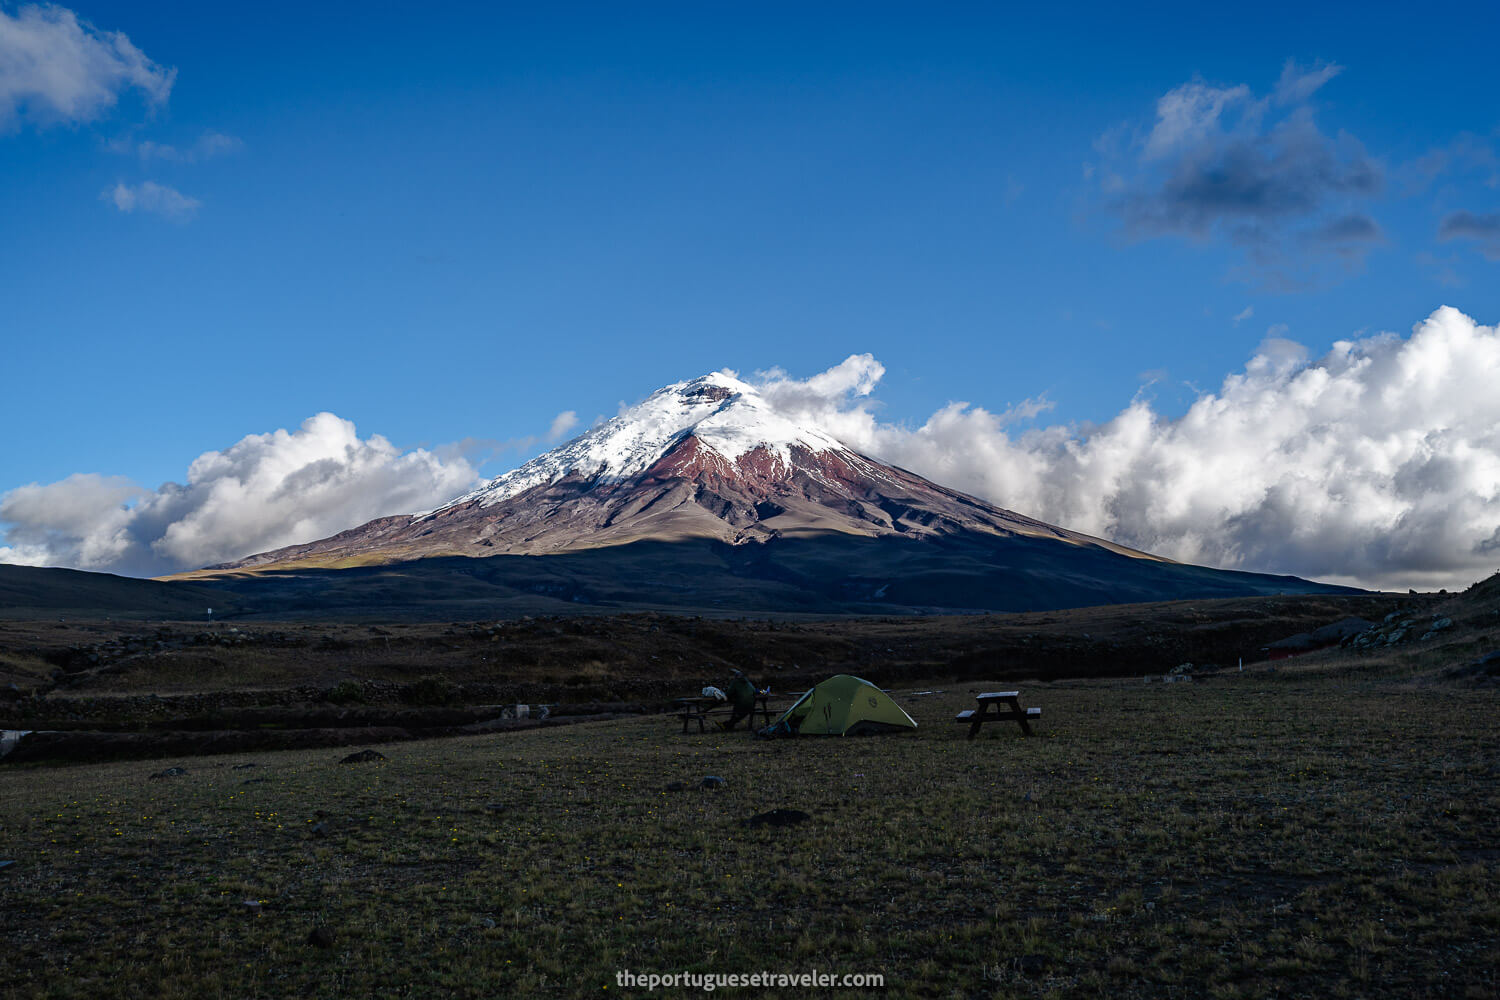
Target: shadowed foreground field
point(1245, 835)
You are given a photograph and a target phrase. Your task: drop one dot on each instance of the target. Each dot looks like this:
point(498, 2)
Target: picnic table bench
point(699, 708)
point(998, 706)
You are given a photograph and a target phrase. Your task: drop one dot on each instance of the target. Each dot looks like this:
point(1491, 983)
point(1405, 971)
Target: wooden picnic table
point(998, 706)
point(699, 708)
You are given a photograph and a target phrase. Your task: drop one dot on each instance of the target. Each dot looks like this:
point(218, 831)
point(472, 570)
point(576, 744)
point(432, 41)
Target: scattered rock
point(712, 781)
point(1345, 630)
point(488, 922)
point(778, 818)
point(494, 807)
point(251, 906)
point(254, 781)
point(171, 772)
point(1439, 625)
point(241, 767)
point(363, 756)
point(321, 937)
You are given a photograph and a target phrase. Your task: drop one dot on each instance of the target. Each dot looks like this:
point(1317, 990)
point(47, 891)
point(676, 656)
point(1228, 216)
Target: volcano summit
point(706, 478)
point(708, 458)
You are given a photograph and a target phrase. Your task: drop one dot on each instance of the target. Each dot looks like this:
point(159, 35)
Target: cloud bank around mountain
point(265, 491)
point(1377, 464)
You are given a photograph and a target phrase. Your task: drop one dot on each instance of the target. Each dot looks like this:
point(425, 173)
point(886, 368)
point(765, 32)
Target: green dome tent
point(842, 706)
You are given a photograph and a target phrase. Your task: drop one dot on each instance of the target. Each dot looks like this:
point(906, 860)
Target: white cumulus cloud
point(265, 491)
point(208, 145)
point(1189, 113)
point(561, 425)
point(56, 69)
point(856, 376)
point(1377, 464)
point(149, 196)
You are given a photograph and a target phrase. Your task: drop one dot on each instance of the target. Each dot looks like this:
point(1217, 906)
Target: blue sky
point(457, 222)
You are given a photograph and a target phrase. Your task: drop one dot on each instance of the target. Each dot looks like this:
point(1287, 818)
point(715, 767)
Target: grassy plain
point(603, 657)
point(1300, 833)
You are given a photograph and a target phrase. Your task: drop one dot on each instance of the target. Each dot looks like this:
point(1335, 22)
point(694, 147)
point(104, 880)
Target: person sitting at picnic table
point(741, 699)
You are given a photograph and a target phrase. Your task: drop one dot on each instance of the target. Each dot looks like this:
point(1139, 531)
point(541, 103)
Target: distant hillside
point(831, 574)
point(33, 592)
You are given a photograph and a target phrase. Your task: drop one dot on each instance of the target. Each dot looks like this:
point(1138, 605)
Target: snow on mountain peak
point(724, 414)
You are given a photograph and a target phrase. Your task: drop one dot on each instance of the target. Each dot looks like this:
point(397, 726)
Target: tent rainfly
point(842, 705)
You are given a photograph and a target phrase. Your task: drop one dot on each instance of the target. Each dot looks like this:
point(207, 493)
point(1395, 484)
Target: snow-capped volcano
point(710, 457)
point(707, 488)
point(734, 427)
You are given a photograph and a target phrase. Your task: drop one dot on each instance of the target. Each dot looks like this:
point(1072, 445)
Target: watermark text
point(710, 981)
